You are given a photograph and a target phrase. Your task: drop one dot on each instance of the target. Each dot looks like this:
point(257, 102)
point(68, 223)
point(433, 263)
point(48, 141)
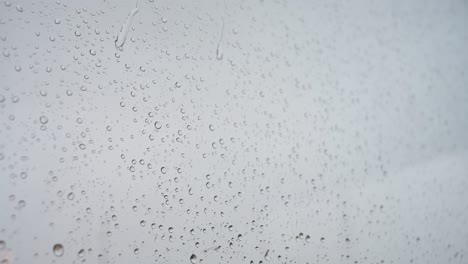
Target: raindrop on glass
point(58, 250)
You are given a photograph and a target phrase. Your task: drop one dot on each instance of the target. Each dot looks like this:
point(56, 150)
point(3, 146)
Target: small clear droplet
point(58, 250)
point(157, 125)
point(267, 257)
point(193, 258)
point(43, 120)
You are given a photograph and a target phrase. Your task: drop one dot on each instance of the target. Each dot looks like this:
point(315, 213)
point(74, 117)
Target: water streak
point(219, 51)
point(120, 41)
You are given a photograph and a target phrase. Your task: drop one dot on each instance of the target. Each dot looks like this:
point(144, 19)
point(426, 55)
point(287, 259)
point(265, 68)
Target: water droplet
point(58, 250)
point(267, 257)
point(21, 204)
point(157, 125)
point(193, 258)
point(219, 53)
point(219, 50)
point(43, 120)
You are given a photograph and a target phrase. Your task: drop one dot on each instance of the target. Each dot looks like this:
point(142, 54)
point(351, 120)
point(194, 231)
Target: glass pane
point(156, 131)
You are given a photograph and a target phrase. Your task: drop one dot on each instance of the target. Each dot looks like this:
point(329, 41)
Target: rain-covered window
point(265, 131)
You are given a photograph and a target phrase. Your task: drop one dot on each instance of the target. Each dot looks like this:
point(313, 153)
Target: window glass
point(156, 131)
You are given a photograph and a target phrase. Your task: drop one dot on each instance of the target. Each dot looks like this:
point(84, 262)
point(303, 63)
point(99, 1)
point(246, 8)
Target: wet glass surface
point(158, 131)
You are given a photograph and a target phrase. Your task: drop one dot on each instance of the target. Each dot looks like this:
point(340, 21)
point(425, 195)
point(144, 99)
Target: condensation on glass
point(154, 131)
